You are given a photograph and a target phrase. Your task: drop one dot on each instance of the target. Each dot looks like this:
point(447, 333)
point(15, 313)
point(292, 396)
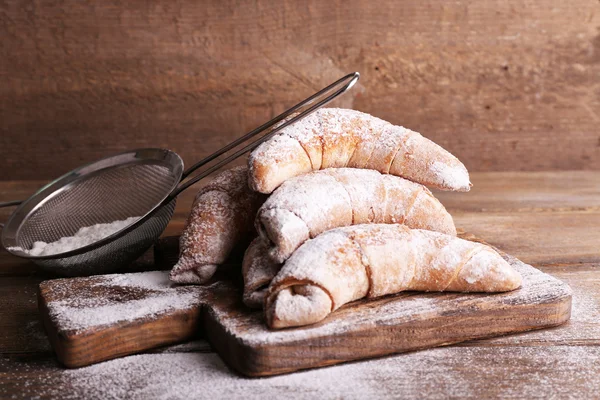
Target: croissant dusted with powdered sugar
point(307, 205)
point(334, 138)
point(221, 218)
point(350, 263)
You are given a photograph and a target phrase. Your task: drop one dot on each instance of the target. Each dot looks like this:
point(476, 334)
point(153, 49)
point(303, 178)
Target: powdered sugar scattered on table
point(516, 372)
point(523, 369)
point(83, 237)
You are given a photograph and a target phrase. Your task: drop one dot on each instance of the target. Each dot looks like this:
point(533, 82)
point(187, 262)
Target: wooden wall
point(503, 84)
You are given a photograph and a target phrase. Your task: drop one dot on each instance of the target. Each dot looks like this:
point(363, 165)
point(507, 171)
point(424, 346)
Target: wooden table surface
point(548, 219)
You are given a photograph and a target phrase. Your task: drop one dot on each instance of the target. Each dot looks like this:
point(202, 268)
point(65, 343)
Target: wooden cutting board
point(99, 318)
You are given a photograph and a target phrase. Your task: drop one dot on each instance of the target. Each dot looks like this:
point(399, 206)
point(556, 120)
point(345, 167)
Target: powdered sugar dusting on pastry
point(330, 261)
point(258, 269)
point(304, 304)
point(196, 272)
point(301, 208)
point(334, 138)
point(208, 236)
point(279, 229)
point(485, 271)
point(307, 205)
point(479, 271)
point(398, 259)
point(451, 176)
point(221, 217)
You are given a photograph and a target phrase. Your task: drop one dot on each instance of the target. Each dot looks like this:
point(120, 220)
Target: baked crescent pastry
point(371, 260)
point(258, 269)
point(308, 205)
point(334, 138)
point(221, 218)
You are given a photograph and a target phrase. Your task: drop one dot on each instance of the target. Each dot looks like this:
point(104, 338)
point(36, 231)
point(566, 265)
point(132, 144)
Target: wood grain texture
point(531, 372)
point(503, 85)
point(21, 330)
point(363, 329)
point(530, 193)
point(561, 236)
point(543, 218)
point(584, 326)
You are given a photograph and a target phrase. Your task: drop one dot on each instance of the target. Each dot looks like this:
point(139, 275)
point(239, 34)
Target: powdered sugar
point(258, 269)
point(77, 318)
point(452, 372)
point(250, 329)
point(452, 176)
point(221, 217)
point(312, 197)
point(83, 237)
point(398, 259)
point(153, 280)
point(479, 270)
point(337, 197)
point(316, 202)
point(124, 298)
point(334, 138)
point(302, 304)
point(583, 327)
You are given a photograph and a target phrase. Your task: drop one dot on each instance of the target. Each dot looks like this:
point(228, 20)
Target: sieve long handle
point(306, 106)
point(9, 204)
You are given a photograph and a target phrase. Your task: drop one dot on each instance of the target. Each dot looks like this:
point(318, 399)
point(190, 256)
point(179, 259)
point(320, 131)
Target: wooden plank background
point(505, 85)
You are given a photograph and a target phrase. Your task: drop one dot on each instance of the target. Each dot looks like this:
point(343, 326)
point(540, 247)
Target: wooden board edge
point(237, 355)
point(53, 337)
point(73, 351)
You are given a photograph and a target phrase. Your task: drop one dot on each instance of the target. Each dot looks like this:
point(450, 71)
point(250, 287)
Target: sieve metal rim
point(165, 157)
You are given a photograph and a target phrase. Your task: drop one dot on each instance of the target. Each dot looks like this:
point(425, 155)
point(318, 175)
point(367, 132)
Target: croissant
point(334, 138)
point(307, 205)
point(258, 269)
point(371, 260)
point(221, 219)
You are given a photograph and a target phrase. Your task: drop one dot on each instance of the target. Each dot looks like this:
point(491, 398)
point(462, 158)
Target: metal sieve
point(143, 182)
